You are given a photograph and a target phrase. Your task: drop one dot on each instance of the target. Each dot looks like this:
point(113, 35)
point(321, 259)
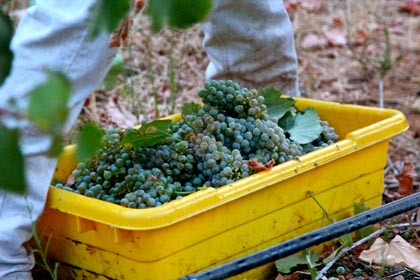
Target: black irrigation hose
point(316, 237)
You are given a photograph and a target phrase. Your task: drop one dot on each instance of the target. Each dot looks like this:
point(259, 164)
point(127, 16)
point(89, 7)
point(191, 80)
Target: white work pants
point(250, 42)
point(52, 35)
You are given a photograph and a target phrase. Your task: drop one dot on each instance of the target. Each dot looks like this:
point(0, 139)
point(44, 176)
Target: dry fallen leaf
point(258, 166)
point(361, 36)
point(338, 21)
point(120, 36)
point(291, 6)
point(311, 5)
point(335, 36)
point(297, 275)
point(139, 4)
point(411, 6)
point(314, 41)
point(71, 180)
point(397, 253)
point(406, 179)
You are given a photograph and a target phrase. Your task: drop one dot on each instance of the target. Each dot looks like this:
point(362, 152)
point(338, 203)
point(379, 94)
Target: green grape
point(107, 175)
point(81, 165)
point(340, 270)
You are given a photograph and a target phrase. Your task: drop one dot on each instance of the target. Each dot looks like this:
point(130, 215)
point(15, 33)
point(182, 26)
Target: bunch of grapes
point(116, 175)
point(233, 100)
point(208, 148)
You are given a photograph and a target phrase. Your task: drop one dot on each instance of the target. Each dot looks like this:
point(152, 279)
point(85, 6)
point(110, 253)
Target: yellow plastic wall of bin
point(213, 226)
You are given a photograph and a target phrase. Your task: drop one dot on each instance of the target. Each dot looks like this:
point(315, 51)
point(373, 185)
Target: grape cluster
point(233, 100)
point(211, 147)
point(115, 175)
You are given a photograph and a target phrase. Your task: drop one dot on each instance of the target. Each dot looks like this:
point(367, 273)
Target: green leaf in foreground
point(277, 106)
point(177, 13)
point(6, 55)
point(12, 171)
point(89, 140)
point(306, 128)
point(48, 107)
point(105, 15)
point(149, 134)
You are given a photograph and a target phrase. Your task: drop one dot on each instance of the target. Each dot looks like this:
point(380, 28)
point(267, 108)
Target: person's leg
point(52, 35)
point(251, 42)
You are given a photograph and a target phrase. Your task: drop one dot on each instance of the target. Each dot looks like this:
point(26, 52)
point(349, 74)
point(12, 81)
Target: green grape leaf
point(117, 67)
point(105, 16)
point(12, 171)
point(359, 208)
point(346, 240)
point(311, 260)
point(55, 92)
point(285, 265)
point(177, 13)
point(190, 108)
point(6, 34)
point(306, 128)
point(287, 121)
point(89, 140)
point(366, 231)
point(277, 106)
point(149, 134)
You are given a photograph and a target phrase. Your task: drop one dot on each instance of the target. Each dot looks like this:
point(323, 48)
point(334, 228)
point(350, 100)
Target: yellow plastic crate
point(213, 226)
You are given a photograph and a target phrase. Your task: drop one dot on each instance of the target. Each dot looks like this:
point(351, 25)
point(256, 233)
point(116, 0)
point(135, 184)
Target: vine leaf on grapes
point(12, 173)
point(277, 106)
point(190, 108)
point(89, 140)
point(148, 135)
point(105, 16)
point(177, 13)
point(287, 121)
point(306, 127)
point(51, 119)
point(6, 31)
